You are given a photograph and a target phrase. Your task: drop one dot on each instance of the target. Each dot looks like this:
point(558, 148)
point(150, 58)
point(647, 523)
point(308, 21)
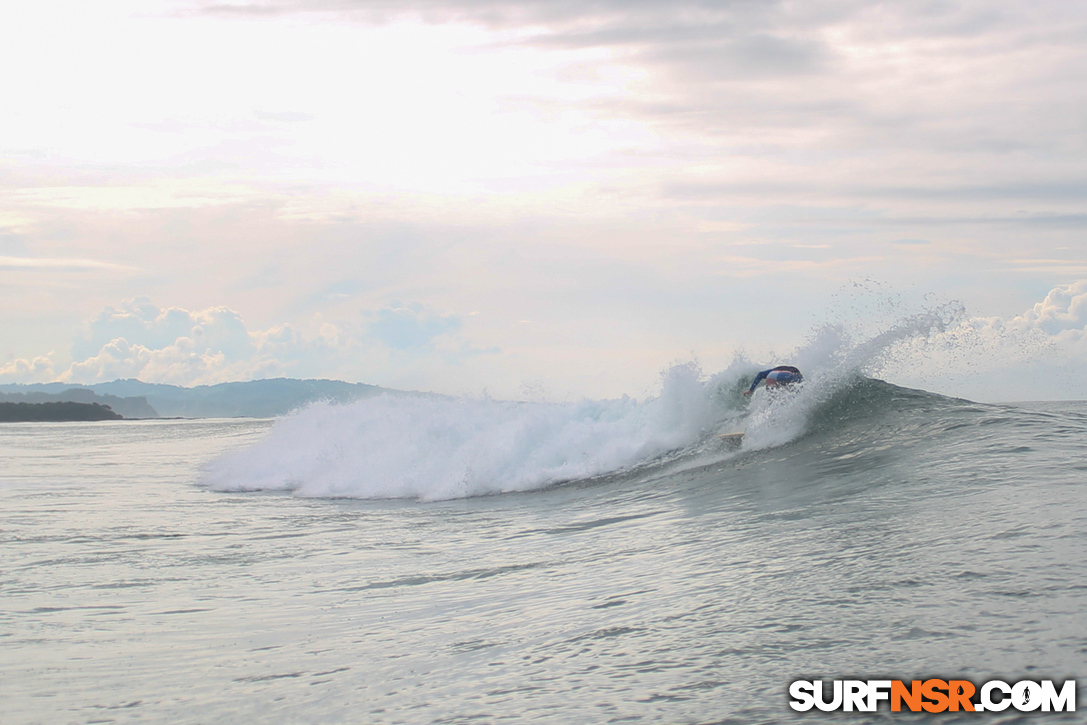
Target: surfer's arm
point(758, 379)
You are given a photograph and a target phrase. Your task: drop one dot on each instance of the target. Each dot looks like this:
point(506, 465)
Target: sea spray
point(432, 447)
point(835, 358)
point(437, 448)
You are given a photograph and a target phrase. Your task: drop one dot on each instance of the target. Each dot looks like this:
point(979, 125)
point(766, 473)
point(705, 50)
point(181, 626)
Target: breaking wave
point(431, 447)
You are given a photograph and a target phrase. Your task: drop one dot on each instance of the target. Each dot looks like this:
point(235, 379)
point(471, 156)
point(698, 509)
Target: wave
point(435, 448)
point(431, 448)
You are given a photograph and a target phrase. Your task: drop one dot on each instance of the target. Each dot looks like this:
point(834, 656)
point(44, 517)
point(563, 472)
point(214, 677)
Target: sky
point(541, 199)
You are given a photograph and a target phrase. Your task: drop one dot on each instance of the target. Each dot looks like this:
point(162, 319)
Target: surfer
point(781, 375)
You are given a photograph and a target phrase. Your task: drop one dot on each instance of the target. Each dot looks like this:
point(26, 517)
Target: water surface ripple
point(936, 538)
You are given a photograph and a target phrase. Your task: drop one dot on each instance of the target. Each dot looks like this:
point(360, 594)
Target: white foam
point(832, 359)
point(437, 448)
point(432, 448)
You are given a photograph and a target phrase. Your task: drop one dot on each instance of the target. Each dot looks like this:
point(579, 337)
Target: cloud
point(283, 116)
point(627, 174)
point(1040, 354)
point(410, 327)
point(58, 263)
point(143, 323)
point(628, 16)
point(139, 339)
point(184, 362)
point(893, 105)
point(1062, 314)
point(1056, 321)
point(37, 370)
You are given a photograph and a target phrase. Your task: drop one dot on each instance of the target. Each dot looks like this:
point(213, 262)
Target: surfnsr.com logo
point(934, 695)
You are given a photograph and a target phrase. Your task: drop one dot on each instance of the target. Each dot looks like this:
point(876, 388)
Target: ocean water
point(428, 560)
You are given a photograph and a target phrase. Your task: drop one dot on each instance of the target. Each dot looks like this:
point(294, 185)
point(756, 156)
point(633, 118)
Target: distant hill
point(56, 412)
point(134, 407)
point(252, 399)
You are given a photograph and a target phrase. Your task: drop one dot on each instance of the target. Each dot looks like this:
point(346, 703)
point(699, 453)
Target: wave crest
point(433, 448)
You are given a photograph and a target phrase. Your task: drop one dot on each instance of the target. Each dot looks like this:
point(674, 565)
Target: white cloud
point(58, 263)
point(1063, 312)
point(639, 179)
point(139, 339)
point(37, 370)
point(1040, 354)
point(181, 363)
point(141, 322)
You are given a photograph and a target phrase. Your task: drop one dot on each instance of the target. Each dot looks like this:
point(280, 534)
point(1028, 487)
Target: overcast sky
point(535, 198)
